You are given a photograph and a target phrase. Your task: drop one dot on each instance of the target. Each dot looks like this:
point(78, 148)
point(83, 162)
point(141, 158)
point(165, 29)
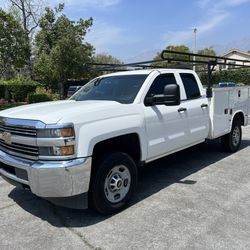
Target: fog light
point(67, 150)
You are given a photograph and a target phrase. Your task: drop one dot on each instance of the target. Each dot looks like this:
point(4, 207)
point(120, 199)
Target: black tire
point(228, 141)
point(104, 170)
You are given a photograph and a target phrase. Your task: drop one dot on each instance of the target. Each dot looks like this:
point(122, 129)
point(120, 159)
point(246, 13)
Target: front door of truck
point(166, 126)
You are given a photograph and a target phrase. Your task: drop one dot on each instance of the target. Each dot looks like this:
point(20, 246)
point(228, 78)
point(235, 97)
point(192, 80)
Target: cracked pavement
point(195, 199)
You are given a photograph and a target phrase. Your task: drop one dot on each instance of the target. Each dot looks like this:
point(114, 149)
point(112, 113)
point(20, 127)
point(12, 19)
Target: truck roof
point(148, 71)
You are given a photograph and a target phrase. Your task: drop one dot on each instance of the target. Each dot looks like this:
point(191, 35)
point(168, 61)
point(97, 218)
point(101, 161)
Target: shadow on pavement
point(152, 178)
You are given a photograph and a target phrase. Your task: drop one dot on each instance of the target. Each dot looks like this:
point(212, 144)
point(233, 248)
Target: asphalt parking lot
point(196, 199)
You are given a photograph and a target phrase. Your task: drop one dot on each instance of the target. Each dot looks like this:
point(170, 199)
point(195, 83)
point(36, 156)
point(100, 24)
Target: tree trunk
point(30, 68)
point(6, 94)
point(62, 83)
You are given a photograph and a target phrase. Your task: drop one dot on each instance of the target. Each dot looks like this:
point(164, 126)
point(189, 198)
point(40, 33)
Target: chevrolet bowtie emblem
point(6, 136)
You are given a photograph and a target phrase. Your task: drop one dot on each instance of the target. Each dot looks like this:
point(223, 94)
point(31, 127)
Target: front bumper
point(48, 179)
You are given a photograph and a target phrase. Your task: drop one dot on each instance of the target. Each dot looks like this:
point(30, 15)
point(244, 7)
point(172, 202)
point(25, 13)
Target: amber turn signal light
point(67, 150)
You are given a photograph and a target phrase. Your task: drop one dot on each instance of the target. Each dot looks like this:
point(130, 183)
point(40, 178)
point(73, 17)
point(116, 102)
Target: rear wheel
point(231, 142)
point(113, 182)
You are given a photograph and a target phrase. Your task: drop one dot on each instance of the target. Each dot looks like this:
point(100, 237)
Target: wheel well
point(239, 116)
point(129, 144)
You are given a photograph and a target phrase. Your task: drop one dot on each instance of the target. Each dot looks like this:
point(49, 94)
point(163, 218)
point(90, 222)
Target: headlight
point(56, 141)
point(56, 132)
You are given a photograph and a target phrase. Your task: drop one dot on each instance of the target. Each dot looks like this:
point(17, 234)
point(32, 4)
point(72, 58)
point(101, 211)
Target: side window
point(190, 86)
point(157, 87)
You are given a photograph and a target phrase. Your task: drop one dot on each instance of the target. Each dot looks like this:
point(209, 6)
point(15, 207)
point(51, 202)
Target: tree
point(240, 76)
point(106, 59)
point(60, 48)
point(14, 49)
point(206, 51)
point(27, 12)
point(103, 59)
point(180, 48)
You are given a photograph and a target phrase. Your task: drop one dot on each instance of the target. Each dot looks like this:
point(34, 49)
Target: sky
point(136, 29)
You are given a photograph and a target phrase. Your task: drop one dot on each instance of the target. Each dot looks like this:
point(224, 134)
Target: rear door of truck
point(196, 105)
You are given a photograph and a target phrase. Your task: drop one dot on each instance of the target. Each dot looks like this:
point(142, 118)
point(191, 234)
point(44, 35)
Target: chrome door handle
point(204, 105)
point(182, 110)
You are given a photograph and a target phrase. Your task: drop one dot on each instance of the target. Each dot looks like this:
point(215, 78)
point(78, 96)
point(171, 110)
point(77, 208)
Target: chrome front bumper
point(49, 179)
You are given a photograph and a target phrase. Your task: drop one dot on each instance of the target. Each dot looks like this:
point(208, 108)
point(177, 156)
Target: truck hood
point(61, 111)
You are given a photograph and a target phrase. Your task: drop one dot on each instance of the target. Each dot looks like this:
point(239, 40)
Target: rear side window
point(190, 86)
point(157, 87)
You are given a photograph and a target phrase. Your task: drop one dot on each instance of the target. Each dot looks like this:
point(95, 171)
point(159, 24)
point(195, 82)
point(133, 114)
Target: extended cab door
point(197, 110)
point(166, 126)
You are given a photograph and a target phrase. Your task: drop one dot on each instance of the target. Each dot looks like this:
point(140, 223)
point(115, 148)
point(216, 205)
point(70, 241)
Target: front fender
point(92, 133)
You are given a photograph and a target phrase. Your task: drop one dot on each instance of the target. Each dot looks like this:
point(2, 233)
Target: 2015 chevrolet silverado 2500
point(88, 148)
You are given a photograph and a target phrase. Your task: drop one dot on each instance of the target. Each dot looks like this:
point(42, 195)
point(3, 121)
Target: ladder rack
point(171, 56)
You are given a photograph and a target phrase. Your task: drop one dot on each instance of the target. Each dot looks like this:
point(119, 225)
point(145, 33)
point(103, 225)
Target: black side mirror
point(171, 97)
point(172, 94)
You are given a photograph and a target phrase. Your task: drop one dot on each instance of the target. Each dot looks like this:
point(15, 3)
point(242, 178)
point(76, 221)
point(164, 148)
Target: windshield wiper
point(97, 82)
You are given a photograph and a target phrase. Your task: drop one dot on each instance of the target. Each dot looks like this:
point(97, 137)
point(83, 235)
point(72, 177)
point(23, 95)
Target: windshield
point(122, 88)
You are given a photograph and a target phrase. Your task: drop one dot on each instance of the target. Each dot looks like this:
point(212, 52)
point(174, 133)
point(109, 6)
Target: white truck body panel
point(224, 105)
point(167, 130)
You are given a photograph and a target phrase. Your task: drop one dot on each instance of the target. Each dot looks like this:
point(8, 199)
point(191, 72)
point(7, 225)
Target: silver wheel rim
point(117, 184)
point(236, 136)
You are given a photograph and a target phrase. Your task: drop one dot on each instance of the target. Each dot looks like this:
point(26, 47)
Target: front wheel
point(231, 142)
point(113, 183)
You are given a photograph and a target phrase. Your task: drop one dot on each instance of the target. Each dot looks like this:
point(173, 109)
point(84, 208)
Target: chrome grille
point(16, 149)
point(18, 137)
point(18, 130)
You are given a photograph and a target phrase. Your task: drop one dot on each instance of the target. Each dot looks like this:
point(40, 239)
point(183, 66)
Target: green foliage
point(42, 95)
point(35, 98)
point(103, 59)
point(180, 48)
point(237, 75)
point(206, 51)
point(18, 89)
point(53, 96)
point(14, 45)
point(60, 48)
point(106, 59)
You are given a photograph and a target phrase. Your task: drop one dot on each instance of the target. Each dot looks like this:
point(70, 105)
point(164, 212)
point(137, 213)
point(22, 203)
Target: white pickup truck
point(88, 148)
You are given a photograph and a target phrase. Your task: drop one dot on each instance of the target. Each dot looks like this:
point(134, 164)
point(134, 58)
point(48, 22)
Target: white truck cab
point(88, 148)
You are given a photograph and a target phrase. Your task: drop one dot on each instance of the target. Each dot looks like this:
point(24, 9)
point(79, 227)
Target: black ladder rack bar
point(200, 55)
point(211, 62)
